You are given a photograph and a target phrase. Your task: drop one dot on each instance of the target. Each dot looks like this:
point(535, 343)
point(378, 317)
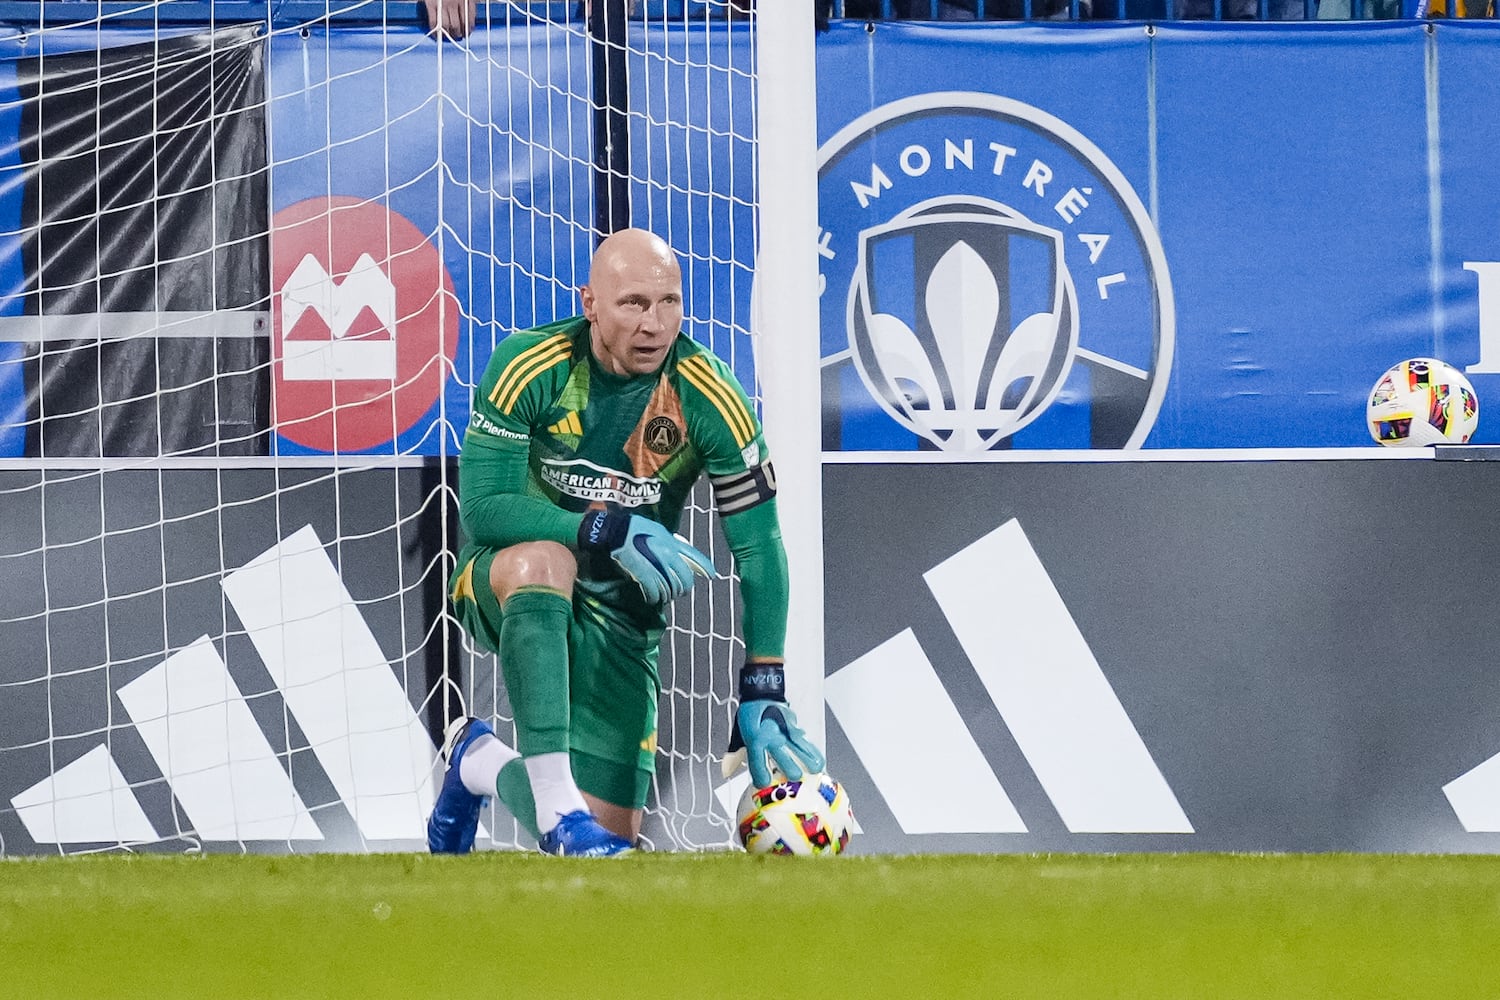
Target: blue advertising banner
point(1467, 270)
point(1032, 236)
point(462, 176)
point(415, 160)
point(424, 201)
point(1167, 236)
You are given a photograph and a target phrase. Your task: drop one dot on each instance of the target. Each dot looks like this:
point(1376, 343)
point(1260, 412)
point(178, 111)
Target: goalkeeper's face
point(633, 302)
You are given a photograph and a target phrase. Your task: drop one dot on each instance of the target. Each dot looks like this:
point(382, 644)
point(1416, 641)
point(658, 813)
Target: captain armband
point(742, 490)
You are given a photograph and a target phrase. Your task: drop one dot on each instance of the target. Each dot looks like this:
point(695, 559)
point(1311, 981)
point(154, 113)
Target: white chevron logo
point(311, 287)
point(1475, 797)
point(1040, 674)
point(204, 738)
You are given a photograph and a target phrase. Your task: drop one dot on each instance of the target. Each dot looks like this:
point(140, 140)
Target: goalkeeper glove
point(661, 562)
point(766, 727)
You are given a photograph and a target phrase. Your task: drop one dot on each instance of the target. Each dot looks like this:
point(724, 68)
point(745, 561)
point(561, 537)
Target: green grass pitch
point(659, 925)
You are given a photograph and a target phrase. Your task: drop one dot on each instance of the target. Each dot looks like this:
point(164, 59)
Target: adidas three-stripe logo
point(1042, 677)
point(201, 733)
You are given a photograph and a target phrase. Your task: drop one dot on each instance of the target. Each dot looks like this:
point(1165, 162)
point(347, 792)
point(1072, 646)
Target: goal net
point(254, 263)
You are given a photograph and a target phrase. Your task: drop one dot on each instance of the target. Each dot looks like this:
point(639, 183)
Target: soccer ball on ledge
point(808, 817)
point(1420, 402)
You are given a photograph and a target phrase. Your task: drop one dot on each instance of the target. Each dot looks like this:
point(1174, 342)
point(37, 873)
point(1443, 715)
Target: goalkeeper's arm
point(497, 511)
point(754, 537)
point(766, 729)
point(495, 508)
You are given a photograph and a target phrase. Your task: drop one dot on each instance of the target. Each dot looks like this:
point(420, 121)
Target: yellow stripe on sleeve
point(520, 361)
point(709, 382)
point(525, 367)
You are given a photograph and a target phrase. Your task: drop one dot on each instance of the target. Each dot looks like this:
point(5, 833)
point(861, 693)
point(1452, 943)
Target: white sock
point(552, 785)
point(480, 768)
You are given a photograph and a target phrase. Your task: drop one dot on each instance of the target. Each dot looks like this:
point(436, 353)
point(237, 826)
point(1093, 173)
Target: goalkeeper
point(585, 439)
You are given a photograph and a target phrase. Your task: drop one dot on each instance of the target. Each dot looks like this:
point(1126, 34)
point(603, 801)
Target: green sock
point(514, 789)
point(534, 662)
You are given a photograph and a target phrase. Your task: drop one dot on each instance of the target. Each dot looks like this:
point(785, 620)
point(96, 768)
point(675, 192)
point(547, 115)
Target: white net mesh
point(251, 273)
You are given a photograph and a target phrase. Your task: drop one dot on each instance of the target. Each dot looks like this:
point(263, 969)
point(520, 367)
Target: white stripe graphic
point(1044, 679)
point(125, 325)
point(85, 802)
point(1475, 797)
point(330, 360)
point(199, 729)
point(899, 720)
point(338, 684)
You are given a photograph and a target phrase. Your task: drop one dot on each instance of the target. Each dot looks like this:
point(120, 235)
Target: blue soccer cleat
point(455, 814)
point(579, 835)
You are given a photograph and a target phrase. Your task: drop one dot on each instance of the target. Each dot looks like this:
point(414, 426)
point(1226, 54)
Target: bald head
point(633, 302)
point(631, 249)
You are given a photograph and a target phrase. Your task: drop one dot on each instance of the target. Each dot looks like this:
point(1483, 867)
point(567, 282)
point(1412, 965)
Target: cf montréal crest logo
point(988, 279)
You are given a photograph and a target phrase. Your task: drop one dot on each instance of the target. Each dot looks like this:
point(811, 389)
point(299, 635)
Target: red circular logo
point(365, 324)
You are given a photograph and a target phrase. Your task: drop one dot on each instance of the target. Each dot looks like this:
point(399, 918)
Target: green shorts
point(613, 683)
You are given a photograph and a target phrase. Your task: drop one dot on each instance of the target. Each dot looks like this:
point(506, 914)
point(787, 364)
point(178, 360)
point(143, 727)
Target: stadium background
point(1246, 641)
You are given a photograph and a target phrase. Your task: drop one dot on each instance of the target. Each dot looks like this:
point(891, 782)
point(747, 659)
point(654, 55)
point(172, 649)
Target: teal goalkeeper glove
point(661, 562)
point(766, 728)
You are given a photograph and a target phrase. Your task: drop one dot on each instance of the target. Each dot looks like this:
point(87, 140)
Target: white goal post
point(788, 352)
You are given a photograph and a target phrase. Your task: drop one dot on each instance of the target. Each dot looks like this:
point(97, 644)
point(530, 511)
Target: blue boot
point(579, 835)
point(455, 814)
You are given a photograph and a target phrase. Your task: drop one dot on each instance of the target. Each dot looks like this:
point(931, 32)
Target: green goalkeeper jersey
point(552, 433)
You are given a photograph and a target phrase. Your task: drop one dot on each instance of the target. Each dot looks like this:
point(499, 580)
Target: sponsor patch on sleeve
point(484, 425)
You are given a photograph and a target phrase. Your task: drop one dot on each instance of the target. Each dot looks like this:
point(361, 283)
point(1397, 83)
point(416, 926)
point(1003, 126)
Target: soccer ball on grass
point(810, 817)
point(1420, 402)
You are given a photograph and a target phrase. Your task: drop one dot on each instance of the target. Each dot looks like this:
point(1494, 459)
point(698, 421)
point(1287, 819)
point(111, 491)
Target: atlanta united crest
point(989, 279)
